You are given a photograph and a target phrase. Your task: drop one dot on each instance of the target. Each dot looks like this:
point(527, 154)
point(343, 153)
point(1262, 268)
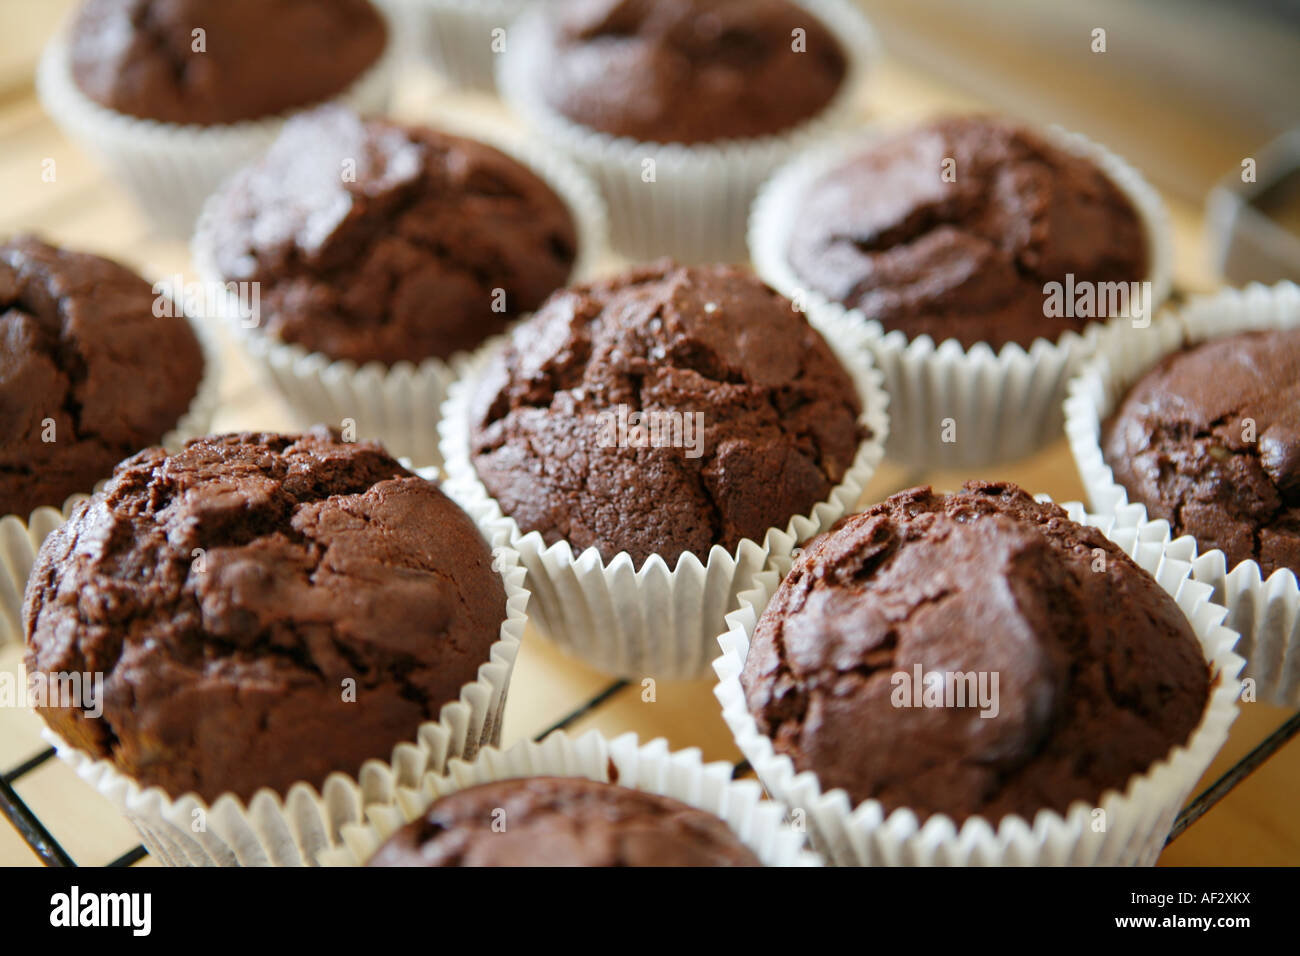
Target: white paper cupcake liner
point(293, 829)
point(1137, 820)
point(398, 405)
point(696, 208)
point(1002, 405)
point(169, 169)
point(411, 36)
point(21, 535)
point(652, 621)
point(457, 36)
point(759, 823)
point(1265, 611)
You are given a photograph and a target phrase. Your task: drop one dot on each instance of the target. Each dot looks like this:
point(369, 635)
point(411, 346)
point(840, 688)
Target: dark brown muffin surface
point(265, 609)
point(562, 821)
point(1099, 674)
point(772, 413)
point(1209, 440)
point(252, 58)
point(689, 71)
point(967, 259)
point(376, 241)
point(88, 373)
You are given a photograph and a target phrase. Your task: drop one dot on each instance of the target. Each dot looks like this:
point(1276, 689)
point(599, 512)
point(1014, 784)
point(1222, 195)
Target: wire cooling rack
point(27, 821)
point(29, 825)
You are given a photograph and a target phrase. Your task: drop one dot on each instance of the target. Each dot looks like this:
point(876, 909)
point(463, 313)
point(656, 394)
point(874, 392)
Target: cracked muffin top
point(253, 58)
point(562, 821)
point(265, 609)
point(1209, 440)
point(81, 382)
point(374, 241)
point(1098, 673)
point(667, 410)
point(886, 232)
point(689, 71)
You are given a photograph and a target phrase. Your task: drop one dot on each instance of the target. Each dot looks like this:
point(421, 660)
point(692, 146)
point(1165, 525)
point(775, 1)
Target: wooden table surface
point(1256, 824)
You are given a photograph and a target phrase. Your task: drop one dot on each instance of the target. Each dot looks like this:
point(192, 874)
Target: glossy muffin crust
point(375, 241)
point(265, 609)
point(562, 821)
point(88, 373)
point(689, 71)
point(1209, 440)
point(955, 228)
point(768, 416)
point(1098, 674)
point(253, 58)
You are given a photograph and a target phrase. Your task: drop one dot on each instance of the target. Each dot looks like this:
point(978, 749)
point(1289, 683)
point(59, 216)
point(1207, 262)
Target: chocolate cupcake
point(675, 424)
point(985, 582)
point(265, 611)
point(562, 821)
point(983, 256)
point(1194, 419)
point(584, 801)
point(966, 257)
point(1209, 440)
point(174, 95)
point(689, 71)
point(959, 665)
point(376, 242)
point(206, 64)
point(92, 371)
point(665, 411)
point(682, 108)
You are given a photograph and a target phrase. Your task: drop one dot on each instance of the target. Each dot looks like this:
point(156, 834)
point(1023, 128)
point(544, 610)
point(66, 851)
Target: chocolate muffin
point(689, 71)
point(1209, 440)
point(265, 609)
point(82, 384)
point(253, 58)
point(1098, 674)
point(743, 415)
point(377, 241)
point(562, 821)
point(967, 259)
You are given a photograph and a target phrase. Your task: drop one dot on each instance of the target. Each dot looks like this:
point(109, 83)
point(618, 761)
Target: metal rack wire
point(37, 835)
